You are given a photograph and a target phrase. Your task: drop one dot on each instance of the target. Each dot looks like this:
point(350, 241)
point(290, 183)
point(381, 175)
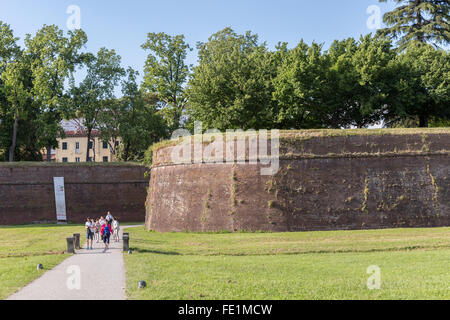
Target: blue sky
point(123, 25)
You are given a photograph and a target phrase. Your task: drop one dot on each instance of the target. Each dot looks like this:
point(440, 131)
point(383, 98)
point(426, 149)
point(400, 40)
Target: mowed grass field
point(22, 248)
point(414, 264)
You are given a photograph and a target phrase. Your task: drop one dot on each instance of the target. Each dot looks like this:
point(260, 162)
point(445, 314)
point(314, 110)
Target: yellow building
point(73, 148)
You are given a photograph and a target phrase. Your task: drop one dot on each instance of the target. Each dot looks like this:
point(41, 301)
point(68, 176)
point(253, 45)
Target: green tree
point(420, 20)
point(423, 85)
point(9, 48)
point(93, 95)
point(19, 113)
point(165, 74)
point(348, 85)
point(54, 59)
point(341, 104)
point(139, 123)
point(17, 90)
point(9, 52)
point(231, 86)
point(109, 124)
point(360, 80)
point(300, 87)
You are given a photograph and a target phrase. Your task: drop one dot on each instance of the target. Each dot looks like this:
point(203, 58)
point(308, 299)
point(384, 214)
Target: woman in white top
point(116, 228)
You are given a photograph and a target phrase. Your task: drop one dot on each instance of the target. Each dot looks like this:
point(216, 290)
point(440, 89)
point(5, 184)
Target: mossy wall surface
point(377, 179)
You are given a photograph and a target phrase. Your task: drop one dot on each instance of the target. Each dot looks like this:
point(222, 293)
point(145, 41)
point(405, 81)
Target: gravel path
point(101, 277)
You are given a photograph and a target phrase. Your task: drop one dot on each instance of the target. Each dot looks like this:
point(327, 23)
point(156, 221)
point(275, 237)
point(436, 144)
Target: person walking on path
point(103, 278)
point(109, 218)
point(89, 225)
point(106, 235)
point(116, 229)
point(97, 230)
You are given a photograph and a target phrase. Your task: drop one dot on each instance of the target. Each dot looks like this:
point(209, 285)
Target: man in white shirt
point(109, 217)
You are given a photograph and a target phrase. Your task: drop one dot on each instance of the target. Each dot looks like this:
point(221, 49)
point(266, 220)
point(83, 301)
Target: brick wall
point(27, 192)
point(324, 183)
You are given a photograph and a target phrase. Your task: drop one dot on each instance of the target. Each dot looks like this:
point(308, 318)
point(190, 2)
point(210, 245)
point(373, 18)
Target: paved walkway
point(102, 277)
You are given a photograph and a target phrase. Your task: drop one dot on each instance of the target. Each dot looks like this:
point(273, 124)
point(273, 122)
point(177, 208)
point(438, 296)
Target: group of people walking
point(102, 229)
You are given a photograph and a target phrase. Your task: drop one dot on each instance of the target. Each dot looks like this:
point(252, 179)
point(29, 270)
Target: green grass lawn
point(22, 248)
point(310, 265)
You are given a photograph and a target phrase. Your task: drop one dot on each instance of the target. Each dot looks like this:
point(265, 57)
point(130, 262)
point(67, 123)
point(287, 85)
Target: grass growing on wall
point(292, 134)
point(307, 265)
point(22, 248)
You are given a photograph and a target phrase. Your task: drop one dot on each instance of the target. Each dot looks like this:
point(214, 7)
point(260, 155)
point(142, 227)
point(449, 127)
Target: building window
point(105, 159)
point(77, 146)
point(65, 160)
point(91, 144)
point(64, 145)
point(90, 159)
point(117, 143)
point(77, 160)
point(105, 145)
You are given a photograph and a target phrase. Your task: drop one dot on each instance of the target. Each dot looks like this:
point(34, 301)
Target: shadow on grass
point(32, 254)
point(37, 226)
point(69, 224)
point(169, 253)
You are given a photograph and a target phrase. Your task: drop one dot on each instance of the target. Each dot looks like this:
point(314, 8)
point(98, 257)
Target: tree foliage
point(426, 21)
point(230, 88)
point(165, 74)
point(300, 86)
point(238, 83)
point(423, 84)
point(93, 95)
point(360, 83)
point(139, 125)
point(54, 59)
point(18, 111)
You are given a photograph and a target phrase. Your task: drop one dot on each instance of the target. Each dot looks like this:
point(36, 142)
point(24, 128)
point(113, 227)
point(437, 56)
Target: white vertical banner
point(60, 198)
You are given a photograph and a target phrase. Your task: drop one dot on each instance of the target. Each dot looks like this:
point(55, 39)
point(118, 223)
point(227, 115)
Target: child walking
point(106, 235)
point(97, 230)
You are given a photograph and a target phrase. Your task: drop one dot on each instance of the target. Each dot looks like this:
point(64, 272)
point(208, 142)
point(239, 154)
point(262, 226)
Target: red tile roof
point(81, 133)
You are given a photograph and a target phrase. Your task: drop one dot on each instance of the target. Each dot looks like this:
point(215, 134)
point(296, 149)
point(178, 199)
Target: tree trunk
point(49, 153)
point(94, 155)
point(127, 152)
point(12, 149)
point(423, 121)
point(176, 120)
point(88, 143)
point(421, 36)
